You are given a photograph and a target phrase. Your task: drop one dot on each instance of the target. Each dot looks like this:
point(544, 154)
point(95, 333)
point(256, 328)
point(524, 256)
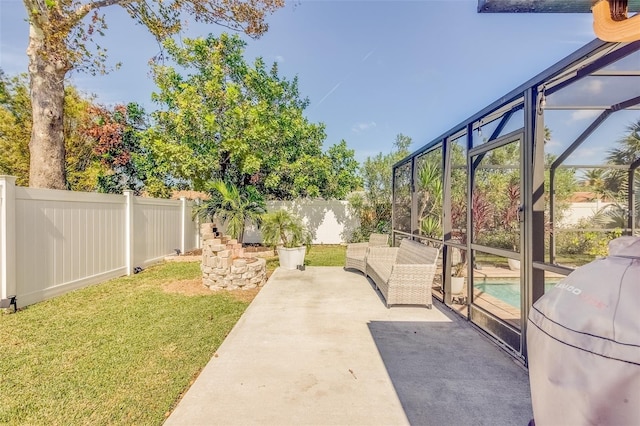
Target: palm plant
point(594, 180)
point(612, 216)
point(628, 148)
point(459, 269)
point(233, 205)
point(283, 227)
point(431, 189)
point(627, 152)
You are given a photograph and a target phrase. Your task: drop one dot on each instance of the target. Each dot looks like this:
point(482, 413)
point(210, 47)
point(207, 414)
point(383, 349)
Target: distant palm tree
point(233, 205)
point(611, 216)
point(595, 181)
point(627, 152)
point(629, 146)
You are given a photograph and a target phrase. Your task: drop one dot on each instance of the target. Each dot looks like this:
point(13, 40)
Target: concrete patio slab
point(318, 347)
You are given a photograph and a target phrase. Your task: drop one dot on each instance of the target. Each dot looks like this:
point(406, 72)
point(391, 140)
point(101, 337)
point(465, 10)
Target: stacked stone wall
point(224, 265)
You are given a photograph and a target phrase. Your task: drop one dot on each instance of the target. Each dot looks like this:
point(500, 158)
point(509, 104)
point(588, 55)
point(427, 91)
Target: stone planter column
point(224, 265)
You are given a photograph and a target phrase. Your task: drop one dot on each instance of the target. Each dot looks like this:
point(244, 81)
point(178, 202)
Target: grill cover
point(583, 341)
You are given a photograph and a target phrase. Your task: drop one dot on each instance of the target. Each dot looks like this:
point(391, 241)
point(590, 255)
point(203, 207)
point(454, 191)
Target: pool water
point(508, 292)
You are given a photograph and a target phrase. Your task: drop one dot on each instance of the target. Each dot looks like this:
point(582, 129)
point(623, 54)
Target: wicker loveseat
point(404, 275)
point(357, 252)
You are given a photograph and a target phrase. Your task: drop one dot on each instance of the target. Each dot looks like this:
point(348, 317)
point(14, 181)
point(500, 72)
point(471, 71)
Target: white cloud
point(279, 59)
point(553, 143)
point(363, 127)
point(584, 114)
point(595, 86)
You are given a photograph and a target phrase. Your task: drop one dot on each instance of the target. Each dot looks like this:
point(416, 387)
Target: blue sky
point(371, 69)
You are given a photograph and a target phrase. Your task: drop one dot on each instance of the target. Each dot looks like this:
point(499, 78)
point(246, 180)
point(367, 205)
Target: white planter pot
point(514, 264)
point(290, 258)
point(457, 284)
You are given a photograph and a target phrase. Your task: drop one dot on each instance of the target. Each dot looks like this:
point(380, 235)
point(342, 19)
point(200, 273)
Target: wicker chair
point(404, 275)
point(357, 252)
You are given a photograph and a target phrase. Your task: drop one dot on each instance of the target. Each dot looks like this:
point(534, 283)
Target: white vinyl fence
point(52, 241)
point(329, 221)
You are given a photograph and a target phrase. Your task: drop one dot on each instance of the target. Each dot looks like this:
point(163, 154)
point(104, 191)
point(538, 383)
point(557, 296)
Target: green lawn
point(318, 255)
point(326, 255)
point(121, 352)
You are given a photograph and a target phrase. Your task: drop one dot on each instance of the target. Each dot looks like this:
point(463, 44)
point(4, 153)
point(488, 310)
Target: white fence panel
point(157, 230)
point(329, 221)
point(580, 211)
point(54, 241)
point(191, 232)
point(66, 240)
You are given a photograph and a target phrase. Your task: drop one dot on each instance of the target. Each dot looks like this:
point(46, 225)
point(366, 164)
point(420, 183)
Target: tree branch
point(84, 9)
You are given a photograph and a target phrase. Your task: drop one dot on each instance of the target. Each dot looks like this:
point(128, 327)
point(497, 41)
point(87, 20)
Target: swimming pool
point(507, 291)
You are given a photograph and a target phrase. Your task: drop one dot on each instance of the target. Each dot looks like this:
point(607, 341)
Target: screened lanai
point(529, 188)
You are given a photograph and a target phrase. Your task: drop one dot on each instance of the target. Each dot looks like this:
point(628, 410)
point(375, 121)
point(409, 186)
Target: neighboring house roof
point(588, 197)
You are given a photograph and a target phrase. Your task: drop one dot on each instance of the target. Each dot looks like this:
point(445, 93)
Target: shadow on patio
point(446, 373)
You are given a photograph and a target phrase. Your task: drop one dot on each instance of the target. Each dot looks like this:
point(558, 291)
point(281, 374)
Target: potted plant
point(286, 232)
point(458, 272)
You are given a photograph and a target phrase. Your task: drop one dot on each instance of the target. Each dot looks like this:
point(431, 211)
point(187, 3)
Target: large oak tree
point(61, 38)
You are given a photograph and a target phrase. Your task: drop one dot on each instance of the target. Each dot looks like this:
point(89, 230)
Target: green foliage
point(627, 151)
point(235, 206)
point(227, 119)
point(578, 242)
point(71, 30)
point(82, 165)
point(343, 178)
point(15, 127)
point(373, 207)
point(613, 184)
point(459, 269)
point(62, 37)
point(594, 180)
point(498, 238)
point(566, 185)
point(116, 137)
point(284, 228)
point(611, 216)
point(586, 239)
point(430, 194)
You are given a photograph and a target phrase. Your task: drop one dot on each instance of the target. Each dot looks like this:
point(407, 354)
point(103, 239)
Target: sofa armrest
point(382, 254)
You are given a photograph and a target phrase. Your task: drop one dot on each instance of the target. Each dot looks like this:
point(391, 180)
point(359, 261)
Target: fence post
point(198, 242)
point(8, 285)
point(128, 229)
point(183, 225)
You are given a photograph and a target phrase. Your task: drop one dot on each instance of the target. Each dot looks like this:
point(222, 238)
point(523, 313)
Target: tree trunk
point(46, 71)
